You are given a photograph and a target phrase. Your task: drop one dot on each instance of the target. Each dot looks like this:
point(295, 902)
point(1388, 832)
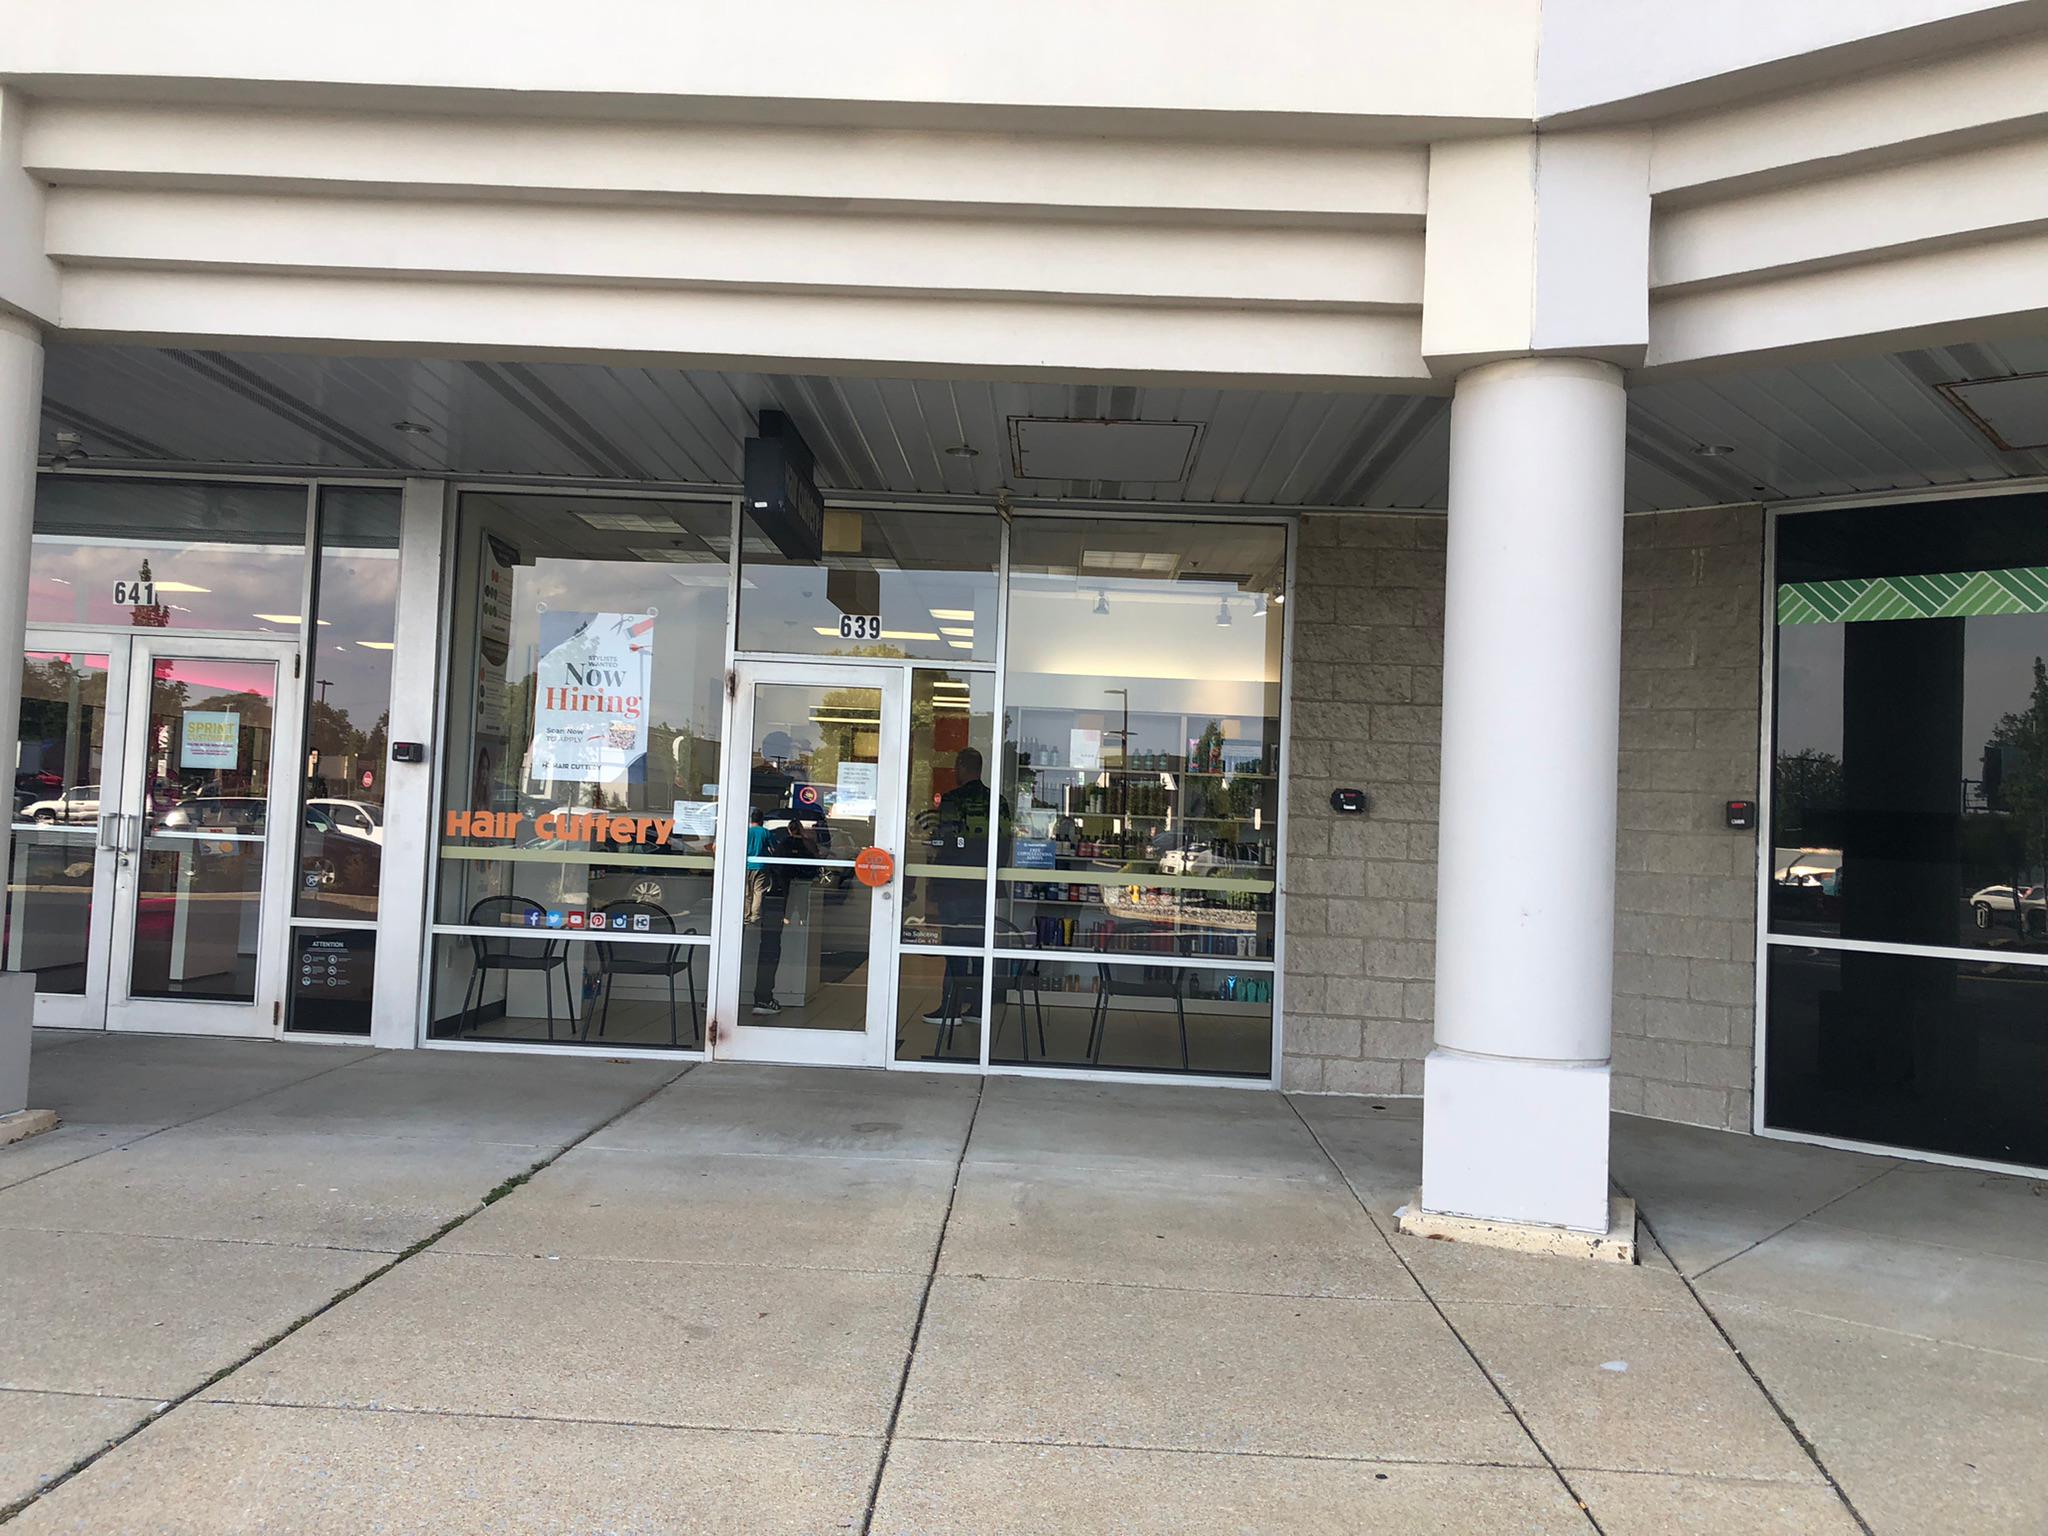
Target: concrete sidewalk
point(317, 1289)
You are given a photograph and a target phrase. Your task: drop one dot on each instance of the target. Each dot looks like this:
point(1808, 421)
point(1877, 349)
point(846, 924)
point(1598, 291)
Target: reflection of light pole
point(1123, 780)
point(324, 683)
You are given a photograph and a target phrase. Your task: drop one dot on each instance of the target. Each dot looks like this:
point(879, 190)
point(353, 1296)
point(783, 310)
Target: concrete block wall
point(1368, 676)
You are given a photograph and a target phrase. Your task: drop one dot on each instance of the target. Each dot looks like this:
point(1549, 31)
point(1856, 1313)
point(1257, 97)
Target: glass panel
point(1142, 736)
point(348, 707)
point(938, 1007)
point(199, 880)
point(583, 743)
point(333, 981)
point(56, 816)
point(949, 808)
point(1909, 1050)
point(812, 801)
point(1057, 1012)
point(929, 578)
point(527, 983)
point(218, 557)
point(1910, 801)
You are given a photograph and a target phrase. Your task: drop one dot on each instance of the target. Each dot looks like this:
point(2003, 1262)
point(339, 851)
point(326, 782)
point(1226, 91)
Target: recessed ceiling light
point(962, 451)
point(412, 428)
point(1714, 450)
point(959, 615)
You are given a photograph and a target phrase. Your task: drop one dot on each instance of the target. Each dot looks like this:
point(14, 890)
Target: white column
point(1516, 1093)
point(21, 407)
point(403, 953)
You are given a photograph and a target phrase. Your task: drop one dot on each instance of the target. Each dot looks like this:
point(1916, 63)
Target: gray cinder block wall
point(1368, 675)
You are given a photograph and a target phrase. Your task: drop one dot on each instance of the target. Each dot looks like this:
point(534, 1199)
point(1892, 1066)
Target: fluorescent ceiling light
point(1156, 561)
point(965, 615)
point(287, 618)
point(949, 682)
point(180, 586)
point(908, 634)
point(375, 645)
point(843, 720)
point(962, 633)
point(678, 556)
point(629, 522)
point(961, 645)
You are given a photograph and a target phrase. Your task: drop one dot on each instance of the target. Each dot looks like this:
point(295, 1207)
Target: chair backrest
point(520, 938)
point(658, 920)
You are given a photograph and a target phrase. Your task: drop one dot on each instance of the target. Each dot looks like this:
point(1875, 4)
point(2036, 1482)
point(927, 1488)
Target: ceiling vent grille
point(1131, 452)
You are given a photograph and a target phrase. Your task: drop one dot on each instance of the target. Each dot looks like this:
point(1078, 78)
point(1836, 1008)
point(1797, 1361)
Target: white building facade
point(1484, 551)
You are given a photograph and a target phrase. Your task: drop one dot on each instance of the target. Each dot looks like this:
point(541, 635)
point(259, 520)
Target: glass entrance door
point(809, 913)
point(61, 856)
point(200, 893)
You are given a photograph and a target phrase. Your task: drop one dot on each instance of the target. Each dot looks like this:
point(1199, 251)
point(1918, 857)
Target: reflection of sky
point(358, 600)
point(1998, 679)
point(71, 581)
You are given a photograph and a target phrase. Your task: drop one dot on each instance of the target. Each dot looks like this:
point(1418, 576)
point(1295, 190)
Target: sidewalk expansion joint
point(1465, 1344)
point(1799, 1436)
point(166, 1405)
point(924, 1301)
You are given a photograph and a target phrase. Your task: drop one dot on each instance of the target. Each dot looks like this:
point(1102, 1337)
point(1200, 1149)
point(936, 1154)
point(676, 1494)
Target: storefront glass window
point(885, 584)
point(1141, 724)
point(348, 704)
point(1909, 807)
point(162, 554)
point(582, 766)
point(57, 787)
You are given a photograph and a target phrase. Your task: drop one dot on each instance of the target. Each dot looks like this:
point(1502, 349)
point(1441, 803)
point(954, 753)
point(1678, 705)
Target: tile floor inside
point(255, 1286)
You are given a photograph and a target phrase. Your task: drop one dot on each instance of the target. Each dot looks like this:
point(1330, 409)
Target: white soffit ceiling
point(1879, 423)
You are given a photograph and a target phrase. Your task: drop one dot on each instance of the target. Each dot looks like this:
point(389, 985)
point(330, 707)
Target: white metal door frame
point(262, 1017)
point(88, 1010)
point(734, 1035)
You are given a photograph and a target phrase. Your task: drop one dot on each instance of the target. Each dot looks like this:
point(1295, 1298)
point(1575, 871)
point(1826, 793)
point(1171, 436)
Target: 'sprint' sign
point(210, 738)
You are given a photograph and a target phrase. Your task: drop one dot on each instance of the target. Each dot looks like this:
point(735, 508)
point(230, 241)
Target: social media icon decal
point(575, 919)
point(642, 923)
point(533, 919)
point(555, 919)
point(618, 920)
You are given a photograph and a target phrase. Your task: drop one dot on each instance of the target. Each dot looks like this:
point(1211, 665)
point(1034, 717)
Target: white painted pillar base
point(1515, 1096)
point(1518, 1141)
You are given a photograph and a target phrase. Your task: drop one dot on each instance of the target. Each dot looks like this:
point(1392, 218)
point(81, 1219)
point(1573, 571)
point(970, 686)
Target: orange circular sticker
point(874, 866)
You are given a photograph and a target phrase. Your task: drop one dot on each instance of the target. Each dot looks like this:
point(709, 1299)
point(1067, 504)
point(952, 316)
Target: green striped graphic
point(1942, 595)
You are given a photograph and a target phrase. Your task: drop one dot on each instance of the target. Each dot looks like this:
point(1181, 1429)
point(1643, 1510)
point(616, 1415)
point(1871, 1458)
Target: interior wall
point(1361, 914)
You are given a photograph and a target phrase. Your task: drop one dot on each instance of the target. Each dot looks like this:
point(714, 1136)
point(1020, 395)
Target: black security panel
point(1349, 802)
point(782, 489)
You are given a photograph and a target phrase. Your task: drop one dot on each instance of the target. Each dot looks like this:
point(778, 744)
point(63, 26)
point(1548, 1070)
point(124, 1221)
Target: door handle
point(110, 832)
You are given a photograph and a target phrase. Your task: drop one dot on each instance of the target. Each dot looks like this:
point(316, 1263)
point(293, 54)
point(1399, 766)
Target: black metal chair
point(513, 952)
point(1023, 978)
point(1113, 982)
point(665, 960)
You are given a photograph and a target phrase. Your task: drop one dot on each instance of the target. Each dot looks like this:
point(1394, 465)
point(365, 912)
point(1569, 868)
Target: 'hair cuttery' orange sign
point(561, 826)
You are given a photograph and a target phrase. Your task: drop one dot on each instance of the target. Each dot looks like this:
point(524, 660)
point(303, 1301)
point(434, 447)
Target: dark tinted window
point(1910, 800)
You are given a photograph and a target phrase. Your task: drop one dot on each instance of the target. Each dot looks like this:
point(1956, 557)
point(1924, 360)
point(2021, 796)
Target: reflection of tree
point(1805, 782)
point(2023, 782)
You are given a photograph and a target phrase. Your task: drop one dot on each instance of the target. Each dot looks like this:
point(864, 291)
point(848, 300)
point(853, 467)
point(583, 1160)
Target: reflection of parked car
point(81, 802)
point(1813, 868)
point(351, 818)
point(216, 813)
point(2027, 904)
